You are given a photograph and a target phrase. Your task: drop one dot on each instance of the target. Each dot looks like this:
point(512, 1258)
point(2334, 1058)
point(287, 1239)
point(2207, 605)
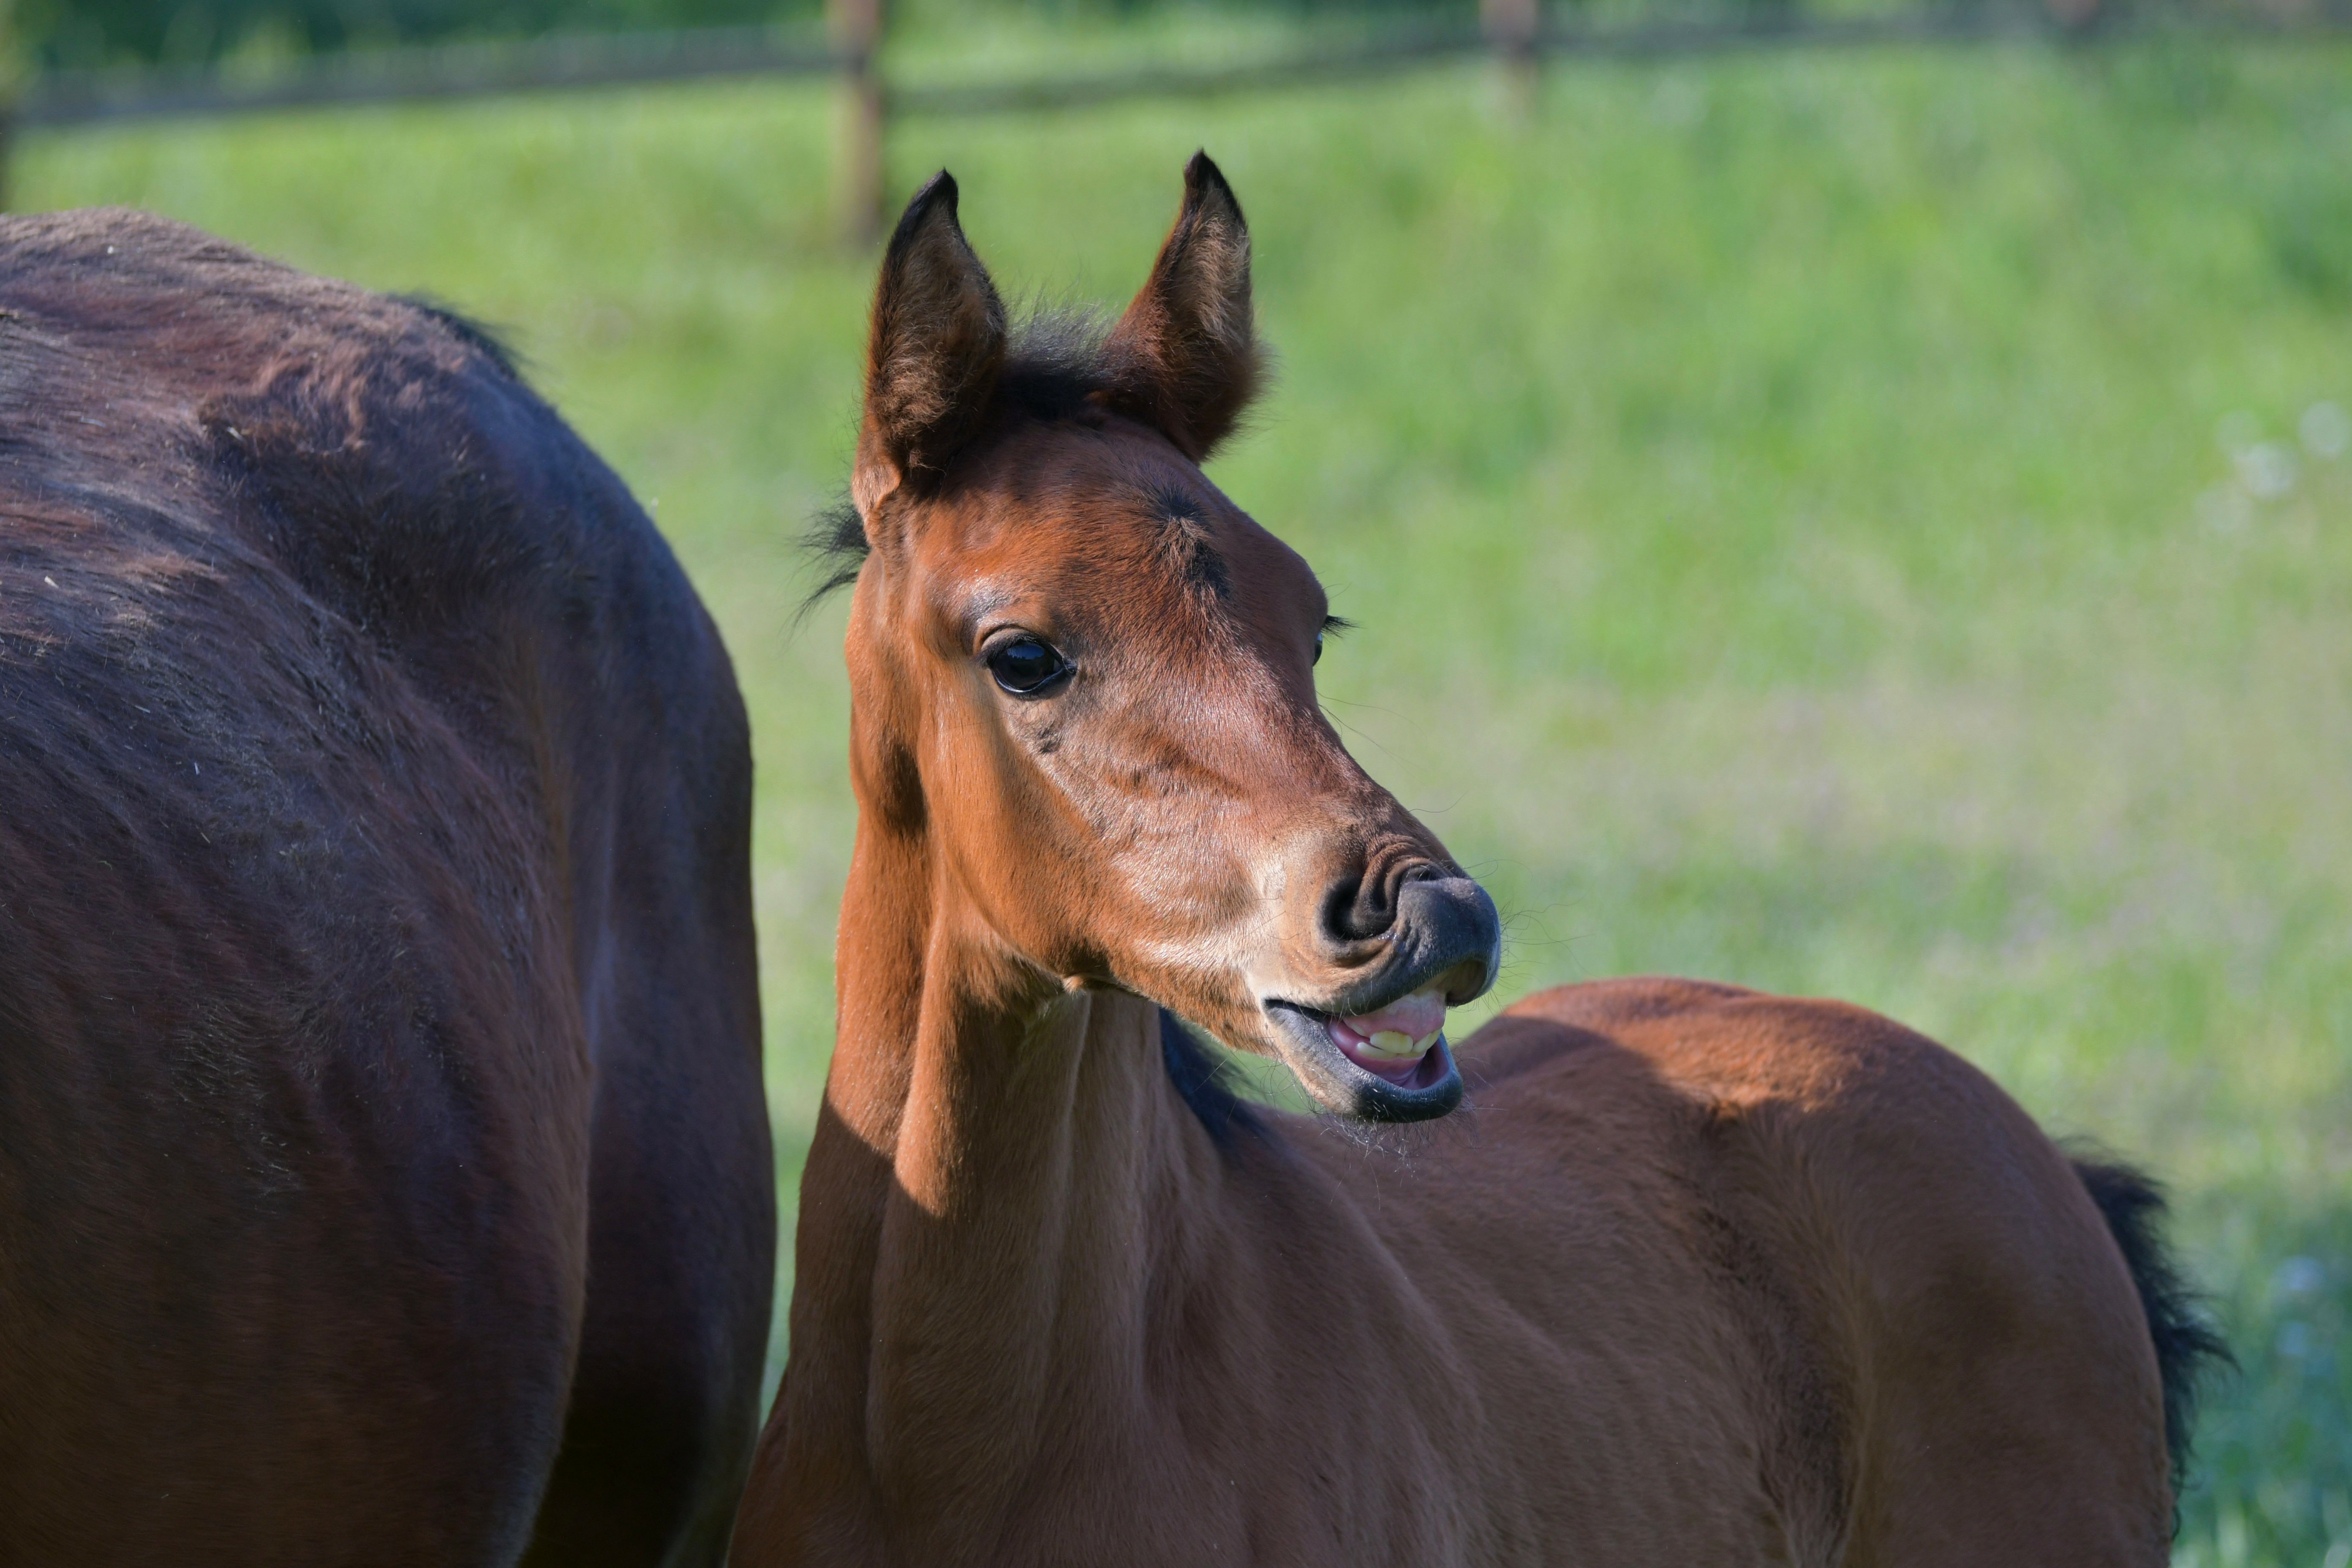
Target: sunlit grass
point(1866, 525)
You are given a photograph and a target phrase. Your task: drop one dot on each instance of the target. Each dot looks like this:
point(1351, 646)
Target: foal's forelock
point(1060, 369)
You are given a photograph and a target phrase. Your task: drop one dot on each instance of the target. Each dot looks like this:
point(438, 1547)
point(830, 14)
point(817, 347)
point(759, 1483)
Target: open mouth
point(1376, 1049)
point(1391, 1064)
point(1396, 1042)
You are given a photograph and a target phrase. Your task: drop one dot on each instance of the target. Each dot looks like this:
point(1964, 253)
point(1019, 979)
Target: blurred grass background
point(1874, 524)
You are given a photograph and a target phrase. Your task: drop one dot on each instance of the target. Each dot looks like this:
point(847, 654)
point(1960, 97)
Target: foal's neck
point(1005, 1190)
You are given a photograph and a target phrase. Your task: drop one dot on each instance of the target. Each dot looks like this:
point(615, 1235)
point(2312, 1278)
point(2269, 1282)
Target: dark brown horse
point(383, 1168)
point(1704, 1276)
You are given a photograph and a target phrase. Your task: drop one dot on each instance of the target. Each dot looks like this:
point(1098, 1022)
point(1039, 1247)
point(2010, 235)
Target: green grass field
point(1868, 524)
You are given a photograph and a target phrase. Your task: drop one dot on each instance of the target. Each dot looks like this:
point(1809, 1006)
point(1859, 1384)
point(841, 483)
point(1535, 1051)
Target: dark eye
point(1318, 650)
point(1026, 667)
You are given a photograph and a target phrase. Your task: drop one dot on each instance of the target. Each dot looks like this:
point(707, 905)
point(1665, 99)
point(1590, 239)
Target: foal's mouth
point(1390, 1063)
point(1393, 1043)
point(1376, 1049)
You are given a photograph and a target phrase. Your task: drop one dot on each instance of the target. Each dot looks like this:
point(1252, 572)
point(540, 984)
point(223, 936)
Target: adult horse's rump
point(383, 1168)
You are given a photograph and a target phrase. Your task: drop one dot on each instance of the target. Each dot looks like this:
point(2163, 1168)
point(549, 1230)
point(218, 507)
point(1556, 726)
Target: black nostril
point(1340, 918)
point(1362, 907)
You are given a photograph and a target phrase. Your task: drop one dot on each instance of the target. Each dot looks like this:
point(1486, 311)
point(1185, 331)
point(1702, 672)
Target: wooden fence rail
point(423, 75)
point(1514, 32)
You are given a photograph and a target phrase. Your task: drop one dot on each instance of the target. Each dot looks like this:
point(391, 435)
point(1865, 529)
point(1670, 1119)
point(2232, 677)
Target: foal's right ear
point(937, 346)
point(1185, 356)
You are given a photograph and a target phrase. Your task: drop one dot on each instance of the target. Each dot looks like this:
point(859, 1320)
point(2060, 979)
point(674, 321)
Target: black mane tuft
point(486, 340)
point(1055, 365)
point(2188, 1346)
point(837, 539)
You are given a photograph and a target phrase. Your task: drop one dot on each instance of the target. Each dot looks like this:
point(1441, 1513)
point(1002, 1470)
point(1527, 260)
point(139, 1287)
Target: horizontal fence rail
point(426, 75)
point(1354, 60)
point(1515, 33)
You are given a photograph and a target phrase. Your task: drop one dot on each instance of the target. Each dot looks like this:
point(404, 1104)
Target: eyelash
point(1331, 627)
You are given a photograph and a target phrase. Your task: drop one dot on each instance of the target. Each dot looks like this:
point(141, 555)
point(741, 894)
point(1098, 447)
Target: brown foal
point(1706, 1276)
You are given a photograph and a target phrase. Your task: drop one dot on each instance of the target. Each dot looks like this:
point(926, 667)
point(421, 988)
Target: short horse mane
point(1053, 366)
point(489, 342)
point(1204, 1083)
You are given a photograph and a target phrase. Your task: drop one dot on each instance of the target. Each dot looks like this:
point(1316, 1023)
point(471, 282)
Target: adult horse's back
point(383, 1169)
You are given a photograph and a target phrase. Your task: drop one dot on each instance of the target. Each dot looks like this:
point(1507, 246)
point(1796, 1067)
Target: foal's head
point(1086, 678)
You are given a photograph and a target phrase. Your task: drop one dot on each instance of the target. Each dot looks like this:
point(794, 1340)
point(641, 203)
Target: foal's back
point(1783, 1278)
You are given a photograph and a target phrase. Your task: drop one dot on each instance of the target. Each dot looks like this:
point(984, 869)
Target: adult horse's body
point(1703, 1277)
point(383, 1169)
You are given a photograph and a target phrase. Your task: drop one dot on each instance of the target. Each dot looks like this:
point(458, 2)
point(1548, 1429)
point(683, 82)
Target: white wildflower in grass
point(2327, 430)
point(2267, 471)
point(2225, 508)
point(2299, 1276)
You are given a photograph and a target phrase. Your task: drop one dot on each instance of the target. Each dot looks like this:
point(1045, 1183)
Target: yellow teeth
point(1395, 1044)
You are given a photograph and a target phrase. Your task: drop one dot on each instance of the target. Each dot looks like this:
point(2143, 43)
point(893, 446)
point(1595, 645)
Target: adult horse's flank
point(1707, 1276)
point(384, 1170)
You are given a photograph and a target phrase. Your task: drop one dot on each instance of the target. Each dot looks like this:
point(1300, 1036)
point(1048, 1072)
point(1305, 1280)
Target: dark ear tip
point(1203, 179)
point(938, 192)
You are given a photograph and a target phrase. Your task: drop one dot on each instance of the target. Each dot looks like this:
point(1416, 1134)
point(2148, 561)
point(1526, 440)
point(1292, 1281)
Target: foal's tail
point(2188, 1346)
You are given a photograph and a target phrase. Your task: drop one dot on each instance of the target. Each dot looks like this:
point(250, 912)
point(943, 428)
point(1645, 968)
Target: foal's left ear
point(936, 345)
point(1185, 356)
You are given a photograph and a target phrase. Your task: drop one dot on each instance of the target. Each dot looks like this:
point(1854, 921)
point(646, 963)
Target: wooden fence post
point(857, 29)
point(1513, 28)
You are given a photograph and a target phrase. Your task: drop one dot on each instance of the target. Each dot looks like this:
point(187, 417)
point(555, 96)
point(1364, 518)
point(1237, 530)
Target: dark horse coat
point(383, 1168)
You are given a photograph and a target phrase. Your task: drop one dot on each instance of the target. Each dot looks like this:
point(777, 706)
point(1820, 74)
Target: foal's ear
point(937, 344)
point(1185, 356)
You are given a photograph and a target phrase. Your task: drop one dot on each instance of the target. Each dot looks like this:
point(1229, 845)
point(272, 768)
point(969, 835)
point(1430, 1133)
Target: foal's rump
point(1945, 1355)
point(367, 786)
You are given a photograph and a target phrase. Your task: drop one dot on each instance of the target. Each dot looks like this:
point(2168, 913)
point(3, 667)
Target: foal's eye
point(1318, 650)
point(1026, 667)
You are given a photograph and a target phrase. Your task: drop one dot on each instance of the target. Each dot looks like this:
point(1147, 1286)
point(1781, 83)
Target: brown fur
point(1700, 1275)
point(383, 1169)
